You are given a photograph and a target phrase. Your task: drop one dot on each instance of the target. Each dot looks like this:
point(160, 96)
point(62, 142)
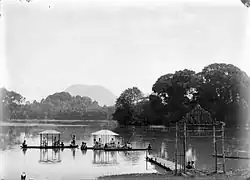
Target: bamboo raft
point(49, 147)
point(114, 149)
point(230, 157)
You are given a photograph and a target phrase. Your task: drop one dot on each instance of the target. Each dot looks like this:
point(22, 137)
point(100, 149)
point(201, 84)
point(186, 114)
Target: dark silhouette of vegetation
point(61, 106)
point(222, 89)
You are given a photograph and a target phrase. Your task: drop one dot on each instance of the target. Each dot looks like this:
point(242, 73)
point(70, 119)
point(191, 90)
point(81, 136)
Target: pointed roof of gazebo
point(105, 132)
point(198, 116)
point(50, 132)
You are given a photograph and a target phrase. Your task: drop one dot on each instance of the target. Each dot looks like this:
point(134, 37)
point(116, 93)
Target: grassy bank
point(156, 176)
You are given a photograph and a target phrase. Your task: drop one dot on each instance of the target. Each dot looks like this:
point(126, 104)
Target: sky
point(48, 45)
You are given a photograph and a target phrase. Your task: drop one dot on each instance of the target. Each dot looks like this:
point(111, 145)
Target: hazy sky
point(49, 45)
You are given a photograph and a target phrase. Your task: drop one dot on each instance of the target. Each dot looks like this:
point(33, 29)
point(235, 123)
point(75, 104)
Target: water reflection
point(84, 152)
point(73, 152)
point(50, 156)
point(104, 157)
point(99, 163)
point(24, 151)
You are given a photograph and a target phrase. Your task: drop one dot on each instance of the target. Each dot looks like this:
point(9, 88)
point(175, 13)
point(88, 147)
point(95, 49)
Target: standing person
point(55, 141)
point(23, 176)
point(100, 142)
point(24, 143)
point(44, 141)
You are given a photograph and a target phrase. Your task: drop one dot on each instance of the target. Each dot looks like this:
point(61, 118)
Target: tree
point(177, 92)
point(11, 103)
point(223, 90)
point(125, 105)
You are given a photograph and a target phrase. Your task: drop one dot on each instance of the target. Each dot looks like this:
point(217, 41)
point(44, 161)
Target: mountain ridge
point(96, 92)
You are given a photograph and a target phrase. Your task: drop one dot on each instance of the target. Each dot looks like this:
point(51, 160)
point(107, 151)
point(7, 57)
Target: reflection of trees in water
point(12, 135)
point(133, 156)
point(105, 157)
point(50, 156)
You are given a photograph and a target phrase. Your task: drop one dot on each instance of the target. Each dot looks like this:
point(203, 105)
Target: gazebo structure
point(198, 123)
point(49, 134)
point(105, 135)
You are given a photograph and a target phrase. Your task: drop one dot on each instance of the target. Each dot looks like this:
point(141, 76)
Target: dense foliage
point(57, 106)
point(222, 89)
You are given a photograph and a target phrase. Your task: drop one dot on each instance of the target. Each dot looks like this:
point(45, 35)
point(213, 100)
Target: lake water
point(69, 164)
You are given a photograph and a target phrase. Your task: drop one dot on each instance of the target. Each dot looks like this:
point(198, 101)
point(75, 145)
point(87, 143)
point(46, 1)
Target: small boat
point(44, 144)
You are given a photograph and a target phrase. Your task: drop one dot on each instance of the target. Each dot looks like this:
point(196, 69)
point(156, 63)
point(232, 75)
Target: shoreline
point(170, 176)
point(52, 122)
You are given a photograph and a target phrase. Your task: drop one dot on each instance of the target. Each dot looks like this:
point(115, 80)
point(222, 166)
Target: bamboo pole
point(41, 139)
point(223, 149)
point(184, 148)
point(215, 148)
point(176, 148)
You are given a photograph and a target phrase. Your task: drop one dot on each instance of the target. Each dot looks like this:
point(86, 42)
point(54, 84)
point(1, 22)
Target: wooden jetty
point(163, 163)
point(158, 163)
point(230, 157)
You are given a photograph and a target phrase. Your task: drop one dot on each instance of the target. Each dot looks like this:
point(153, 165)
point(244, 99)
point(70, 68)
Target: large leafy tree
point(126, 104)
point(177, 92)
point(223, 90)
point(11, 103)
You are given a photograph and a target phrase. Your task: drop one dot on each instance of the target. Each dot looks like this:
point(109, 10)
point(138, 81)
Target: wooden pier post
point(215, 148)
point(184, 148)
point(176, 148)
point(41, 140)
point(223, 148)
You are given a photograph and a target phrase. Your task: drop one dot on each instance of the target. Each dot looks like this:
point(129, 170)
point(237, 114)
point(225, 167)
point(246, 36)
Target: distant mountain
point(97, 93)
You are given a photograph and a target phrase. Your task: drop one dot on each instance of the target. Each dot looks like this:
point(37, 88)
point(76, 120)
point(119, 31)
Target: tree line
point(61, 106)
point(222, 89)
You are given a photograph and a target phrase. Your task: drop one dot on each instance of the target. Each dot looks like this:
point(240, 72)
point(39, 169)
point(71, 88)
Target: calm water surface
point(70, 164)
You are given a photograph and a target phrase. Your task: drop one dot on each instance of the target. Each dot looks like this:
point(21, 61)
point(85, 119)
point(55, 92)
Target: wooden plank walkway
point(163, 163)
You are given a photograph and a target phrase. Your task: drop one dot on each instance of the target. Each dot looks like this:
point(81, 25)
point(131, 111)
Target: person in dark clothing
point(149, 147)
point(55, 141)
point(73, 142)
point(23, 176)
point(62, 144)
point(192, 164)
point(189, 166)
point(24, 143)
point(83, 146)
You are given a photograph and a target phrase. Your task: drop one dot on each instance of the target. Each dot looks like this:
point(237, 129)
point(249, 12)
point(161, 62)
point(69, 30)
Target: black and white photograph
point(124, 89)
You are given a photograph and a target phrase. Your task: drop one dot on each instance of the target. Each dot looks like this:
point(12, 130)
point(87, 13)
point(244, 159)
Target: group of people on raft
point(55, 142)
point(98, 144)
